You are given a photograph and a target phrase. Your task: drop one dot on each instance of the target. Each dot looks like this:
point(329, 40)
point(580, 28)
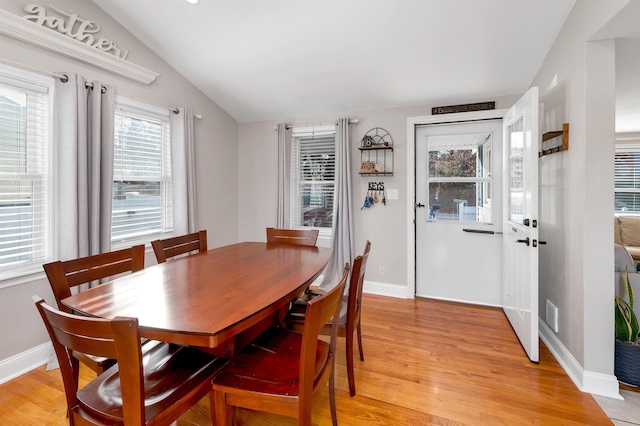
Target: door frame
point(412, 122)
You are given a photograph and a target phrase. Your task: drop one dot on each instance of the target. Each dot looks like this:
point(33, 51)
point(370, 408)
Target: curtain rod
point(290, 126)
point(64, 79)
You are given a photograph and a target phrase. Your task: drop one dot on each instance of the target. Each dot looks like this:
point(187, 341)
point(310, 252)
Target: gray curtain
point(83, 118)
point(84, 127)
point(284, 172)
point(343, 216)
point(183, 172)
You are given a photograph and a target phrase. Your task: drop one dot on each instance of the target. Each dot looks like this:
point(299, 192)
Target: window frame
point(297, 133)
point(631, 147)
point(153, 113)
point(15, 273)
point(483, 183)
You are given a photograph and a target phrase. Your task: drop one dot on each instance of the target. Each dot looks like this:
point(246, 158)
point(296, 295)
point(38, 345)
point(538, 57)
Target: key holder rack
point(376, 186)
point(375, 194)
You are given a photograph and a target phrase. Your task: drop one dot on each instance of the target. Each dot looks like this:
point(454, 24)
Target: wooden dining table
point(218, 299)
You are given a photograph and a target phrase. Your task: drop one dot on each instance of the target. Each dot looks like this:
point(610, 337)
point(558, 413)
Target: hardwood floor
point(426, 363)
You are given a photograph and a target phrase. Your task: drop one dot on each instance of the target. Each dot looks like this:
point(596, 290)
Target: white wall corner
point(24, 362)
point(586, 381)
point(385, 289)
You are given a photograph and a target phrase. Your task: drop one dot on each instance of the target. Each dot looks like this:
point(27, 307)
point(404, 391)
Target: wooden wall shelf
point(550, 135)
point(376, 149)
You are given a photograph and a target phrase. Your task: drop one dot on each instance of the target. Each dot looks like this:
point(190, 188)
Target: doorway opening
point(458, 169)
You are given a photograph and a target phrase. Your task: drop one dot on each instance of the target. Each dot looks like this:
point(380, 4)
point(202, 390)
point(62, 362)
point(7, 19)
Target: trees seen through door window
point(459, 180)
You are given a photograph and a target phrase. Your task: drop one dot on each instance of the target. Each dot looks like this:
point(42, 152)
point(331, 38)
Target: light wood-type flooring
point(426, 363)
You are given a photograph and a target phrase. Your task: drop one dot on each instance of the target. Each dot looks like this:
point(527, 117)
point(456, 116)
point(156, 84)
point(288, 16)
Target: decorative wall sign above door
point(482, 106)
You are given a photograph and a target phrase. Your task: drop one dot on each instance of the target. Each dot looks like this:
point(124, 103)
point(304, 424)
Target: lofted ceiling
point(279, 59)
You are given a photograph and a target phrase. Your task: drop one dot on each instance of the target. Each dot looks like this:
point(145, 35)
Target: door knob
point(526, 241)
point(419, 205)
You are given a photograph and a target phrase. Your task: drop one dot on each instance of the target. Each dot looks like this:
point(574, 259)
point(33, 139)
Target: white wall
point(21, 328)
point(384, 226)
point(577, 86)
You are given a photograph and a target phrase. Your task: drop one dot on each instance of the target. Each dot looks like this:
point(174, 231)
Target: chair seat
point(164, 385)
point(270, 365)
point(295, 317)
point(308, 295)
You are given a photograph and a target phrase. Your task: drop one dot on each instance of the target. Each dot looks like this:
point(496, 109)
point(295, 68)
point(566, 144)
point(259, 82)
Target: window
point(25, 183)
point(516, 172)
point(459, 178)
point(313, 158)
point(627, 180)
point(142, 200)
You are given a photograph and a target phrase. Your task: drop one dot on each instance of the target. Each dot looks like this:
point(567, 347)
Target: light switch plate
point(392, 194)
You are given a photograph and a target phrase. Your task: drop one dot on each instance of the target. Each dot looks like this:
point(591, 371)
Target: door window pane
point(453, 163)
point(516, 172)
point(453, 201)
point(459, 177)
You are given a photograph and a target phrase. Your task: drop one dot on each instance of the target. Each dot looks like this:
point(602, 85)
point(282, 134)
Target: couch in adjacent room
point(626, 232)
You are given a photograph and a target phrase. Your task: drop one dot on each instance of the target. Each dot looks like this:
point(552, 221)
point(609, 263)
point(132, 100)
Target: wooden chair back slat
point(109, 338)
point(302, 237)
point(171, 247)
point(354, 309)
point(283, 371)
point(348, 322)
point(154, 388)
point(63, 275)
point(319, 311)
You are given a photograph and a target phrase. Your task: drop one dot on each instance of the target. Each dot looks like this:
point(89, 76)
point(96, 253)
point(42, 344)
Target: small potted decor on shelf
point(627, 355)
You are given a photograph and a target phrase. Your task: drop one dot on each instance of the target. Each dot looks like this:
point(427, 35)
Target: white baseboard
point(586, 381)
point(385, 289)
point(464, 302)
point(24, 362)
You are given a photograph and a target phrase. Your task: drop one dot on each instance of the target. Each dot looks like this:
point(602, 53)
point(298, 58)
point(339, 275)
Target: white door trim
point(412, 122)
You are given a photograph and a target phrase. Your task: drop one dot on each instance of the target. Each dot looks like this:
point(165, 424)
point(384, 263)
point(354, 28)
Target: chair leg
point(350, 375)
point(359, 330)
point(75, 367)
point(332, 395)
point(281, 313)
point(221, 413)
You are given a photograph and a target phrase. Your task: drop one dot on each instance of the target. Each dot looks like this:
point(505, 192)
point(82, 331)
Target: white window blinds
point(142, 201)
point(24, 175)
point(627, 181)
point(313, 157)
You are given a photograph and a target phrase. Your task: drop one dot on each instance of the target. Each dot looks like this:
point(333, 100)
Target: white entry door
point(520, 227)
point(458, 220)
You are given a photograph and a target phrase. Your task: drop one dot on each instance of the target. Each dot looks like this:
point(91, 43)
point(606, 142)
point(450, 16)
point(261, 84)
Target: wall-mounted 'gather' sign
point(71, 25)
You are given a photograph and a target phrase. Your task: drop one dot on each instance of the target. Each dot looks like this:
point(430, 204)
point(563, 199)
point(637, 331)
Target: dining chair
point(349, 320)
point(282, 371)
point(302, 237)
point(170, 247)
point(154, 389)
point(65, 275)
